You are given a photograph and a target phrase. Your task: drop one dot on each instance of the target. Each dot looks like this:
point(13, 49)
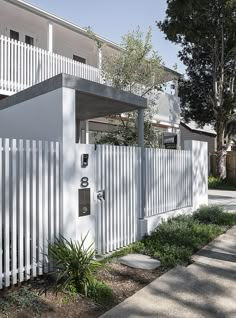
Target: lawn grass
point(217, 184)
point(174, 241)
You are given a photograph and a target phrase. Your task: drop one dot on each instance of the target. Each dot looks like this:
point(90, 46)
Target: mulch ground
point(123, 280)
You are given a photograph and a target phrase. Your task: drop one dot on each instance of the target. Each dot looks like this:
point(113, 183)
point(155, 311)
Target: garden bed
point(173, 243)
point(123, 280)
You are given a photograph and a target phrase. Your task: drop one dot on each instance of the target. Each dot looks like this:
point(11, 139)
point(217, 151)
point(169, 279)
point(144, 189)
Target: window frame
point(30, 38)
point(14, 35)
point(79, 59)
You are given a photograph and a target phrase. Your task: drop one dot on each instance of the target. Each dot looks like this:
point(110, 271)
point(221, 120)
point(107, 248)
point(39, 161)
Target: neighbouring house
point(191, 131)
point(36, 45)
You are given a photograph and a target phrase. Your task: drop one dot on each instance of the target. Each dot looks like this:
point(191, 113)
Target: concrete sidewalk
point(206, 288)
point(227, 199)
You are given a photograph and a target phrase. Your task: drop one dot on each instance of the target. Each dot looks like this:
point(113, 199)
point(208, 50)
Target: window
point(29, 40)
point(79, 59)
point(14, 35)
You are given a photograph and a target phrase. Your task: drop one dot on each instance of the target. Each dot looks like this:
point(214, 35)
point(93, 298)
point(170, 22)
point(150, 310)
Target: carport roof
point(93, 100)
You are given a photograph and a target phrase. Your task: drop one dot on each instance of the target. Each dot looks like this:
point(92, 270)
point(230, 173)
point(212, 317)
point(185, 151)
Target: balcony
point(23, 65)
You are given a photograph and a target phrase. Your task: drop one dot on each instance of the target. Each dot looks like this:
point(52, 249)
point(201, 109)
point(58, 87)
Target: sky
point(112, 19)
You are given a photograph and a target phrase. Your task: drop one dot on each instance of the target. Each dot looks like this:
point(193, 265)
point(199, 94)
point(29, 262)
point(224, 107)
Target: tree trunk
point(221, 151)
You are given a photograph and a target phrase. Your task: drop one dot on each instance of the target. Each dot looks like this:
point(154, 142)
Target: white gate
point(118, 170)
point(118, 185)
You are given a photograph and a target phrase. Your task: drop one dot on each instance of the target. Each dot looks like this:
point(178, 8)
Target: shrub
point(214, 215)
point(100, 293)
point(175, 240)
point(216, 183)
point(22, 298)
point(213, 182)
point(137, 247)
point(172, 255)
point(74, 265)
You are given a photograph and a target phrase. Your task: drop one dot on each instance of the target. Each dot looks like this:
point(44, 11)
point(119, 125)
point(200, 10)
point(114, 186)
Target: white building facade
point(36, 45)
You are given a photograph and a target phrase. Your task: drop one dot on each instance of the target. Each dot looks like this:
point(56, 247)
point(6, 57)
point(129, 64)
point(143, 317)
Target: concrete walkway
point(227, 199)
point(206, 288)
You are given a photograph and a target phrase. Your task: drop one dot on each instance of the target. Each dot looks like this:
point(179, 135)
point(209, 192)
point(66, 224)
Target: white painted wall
point(39, 118)
point(167, 109)
point(74, 226)
point(24, 22)
point(65, 41)
point(74, 43)
point(200, 171)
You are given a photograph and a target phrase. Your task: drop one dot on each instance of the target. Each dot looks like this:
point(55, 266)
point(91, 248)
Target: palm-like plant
point(74, 265)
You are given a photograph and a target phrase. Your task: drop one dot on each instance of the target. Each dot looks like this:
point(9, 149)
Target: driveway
point(227, 199)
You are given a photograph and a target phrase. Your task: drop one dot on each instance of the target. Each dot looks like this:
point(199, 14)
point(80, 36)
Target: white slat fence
point(168, 188)
point(23, 65)
point(29, 201)
point(168, 180)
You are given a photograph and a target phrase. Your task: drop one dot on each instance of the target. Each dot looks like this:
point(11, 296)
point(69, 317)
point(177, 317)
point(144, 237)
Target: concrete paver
point(140, 261)
point(206, 288)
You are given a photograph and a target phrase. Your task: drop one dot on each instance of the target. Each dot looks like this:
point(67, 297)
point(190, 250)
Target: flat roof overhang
point(93, 100)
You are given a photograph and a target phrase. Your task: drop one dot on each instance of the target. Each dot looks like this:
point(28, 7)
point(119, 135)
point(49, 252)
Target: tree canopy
point(206, 33)
point(136, 68)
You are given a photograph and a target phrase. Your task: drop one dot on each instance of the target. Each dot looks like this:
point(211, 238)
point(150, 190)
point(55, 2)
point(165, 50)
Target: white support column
point(99, 58)
point(86, 132)
point(50, 37)
point(143, 161)
point(176, 88)
point(199, 151)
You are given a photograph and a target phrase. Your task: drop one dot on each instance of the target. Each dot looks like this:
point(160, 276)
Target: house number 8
point(84, 182)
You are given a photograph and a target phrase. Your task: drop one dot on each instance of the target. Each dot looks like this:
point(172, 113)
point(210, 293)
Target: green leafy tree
point(206, 32)
point(136, 68)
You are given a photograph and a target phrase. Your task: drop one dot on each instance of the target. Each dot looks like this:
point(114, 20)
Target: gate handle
point(101, 195)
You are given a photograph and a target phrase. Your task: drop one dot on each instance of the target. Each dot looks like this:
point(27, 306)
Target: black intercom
point(84, 160)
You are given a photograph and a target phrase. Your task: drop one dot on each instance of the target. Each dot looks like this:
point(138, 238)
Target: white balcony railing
point(23, 65)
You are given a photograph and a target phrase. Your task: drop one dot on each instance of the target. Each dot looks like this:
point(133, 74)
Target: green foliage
point(136, 69)
point(126, 134)
point(136, 247)
point(4, 305)
point(73, 263)
point(215, 215)
point(205, 31)
point(94, 37)
point(216, 183)
point(172, 255)
point(175, 240)
point(101, 293)
point(24, 298)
